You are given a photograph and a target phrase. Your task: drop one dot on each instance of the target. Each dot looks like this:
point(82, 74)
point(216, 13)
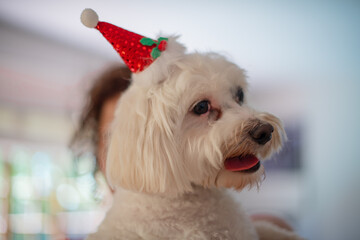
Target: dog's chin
point(238, 180)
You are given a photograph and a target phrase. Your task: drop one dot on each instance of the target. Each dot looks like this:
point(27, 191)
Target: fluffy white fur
point(167, 163)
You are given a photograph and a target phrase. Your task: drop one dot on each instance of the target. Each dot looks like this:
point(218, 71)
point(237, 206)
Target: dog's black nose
point(262, 133)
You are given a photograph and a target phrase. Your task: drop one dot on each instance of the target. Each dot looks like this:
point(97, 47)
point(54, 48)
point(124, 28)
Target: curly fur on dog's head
point(159, 145)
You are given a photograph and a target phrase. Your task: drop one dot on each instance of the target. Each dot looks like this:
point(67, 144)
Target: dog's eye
point(240, 96)
point(201, 107)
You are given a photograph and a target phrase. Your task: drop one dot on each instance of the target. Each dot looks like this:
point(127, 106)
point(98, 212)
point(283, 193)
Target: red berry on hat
point(162, 45)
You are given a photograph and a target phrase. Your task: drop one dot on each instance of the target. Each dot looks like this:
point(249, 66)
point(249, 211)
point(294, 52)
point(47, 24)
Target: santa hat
point(137, 51)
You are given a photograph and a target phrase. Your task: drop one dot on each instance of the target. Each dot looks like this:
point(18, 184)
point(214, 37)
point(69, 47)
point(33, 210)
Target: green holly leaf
point(155, 53)
point(147, 41)
point(161, 39)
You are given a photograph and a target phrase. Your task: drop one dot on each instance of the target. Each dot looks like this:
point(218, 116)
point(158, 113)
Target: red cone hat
point(138, 52)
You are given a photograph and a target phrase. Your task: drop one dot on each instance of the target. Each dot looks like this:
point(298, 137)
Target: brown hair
point(112, 82)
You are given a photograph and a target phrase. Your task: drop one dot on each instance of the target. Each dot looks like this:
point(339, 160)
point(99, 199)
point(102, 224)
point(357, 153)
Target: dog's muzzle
point(260, 133)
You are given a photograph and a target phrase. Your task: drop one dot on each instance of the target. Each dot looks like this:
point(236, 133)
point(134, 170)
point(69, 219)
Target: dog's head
point(189, 123)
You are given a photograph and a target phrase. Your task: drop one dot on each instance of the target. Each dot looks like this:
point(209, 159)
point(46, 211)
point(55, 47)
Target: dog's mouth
point(248, 164)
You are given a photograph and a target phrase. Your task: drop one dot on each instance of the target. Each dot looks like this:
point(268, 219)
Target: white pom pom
point(89, 18)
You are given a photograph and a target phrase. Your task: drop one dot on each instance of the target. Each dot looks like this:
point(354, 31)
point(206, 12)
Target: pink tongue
point(240, 163)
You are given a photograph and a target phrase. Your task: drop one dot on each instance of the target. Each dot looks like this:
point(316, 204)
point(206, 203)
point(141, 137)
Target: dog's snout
point(262, 133)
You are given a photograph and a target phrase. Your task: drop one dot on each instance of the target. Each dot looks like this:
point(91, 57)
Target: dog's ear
point(142, 154)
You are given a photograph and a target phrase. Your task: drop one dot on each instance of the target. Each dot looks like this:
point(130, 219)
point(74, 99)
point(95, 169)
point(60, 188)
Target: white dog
point(182, 134)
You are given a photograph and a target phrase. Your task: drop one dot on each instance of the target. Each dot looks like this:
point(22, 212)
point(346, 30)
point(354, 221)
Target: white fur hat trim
point(89, 18)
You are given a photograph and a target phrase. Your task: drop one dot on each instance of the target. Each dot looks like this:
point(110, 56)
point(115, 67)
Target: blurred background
point(303, 63)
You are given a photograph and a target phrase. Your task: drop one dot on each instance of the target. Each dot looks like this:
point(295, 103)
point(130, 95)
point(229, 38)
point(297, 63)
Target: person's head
point(99, 110)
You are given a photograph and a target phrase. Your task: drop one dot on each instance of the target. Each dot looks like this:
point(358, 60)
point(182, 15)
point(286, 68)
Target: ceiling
point(261, 36)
